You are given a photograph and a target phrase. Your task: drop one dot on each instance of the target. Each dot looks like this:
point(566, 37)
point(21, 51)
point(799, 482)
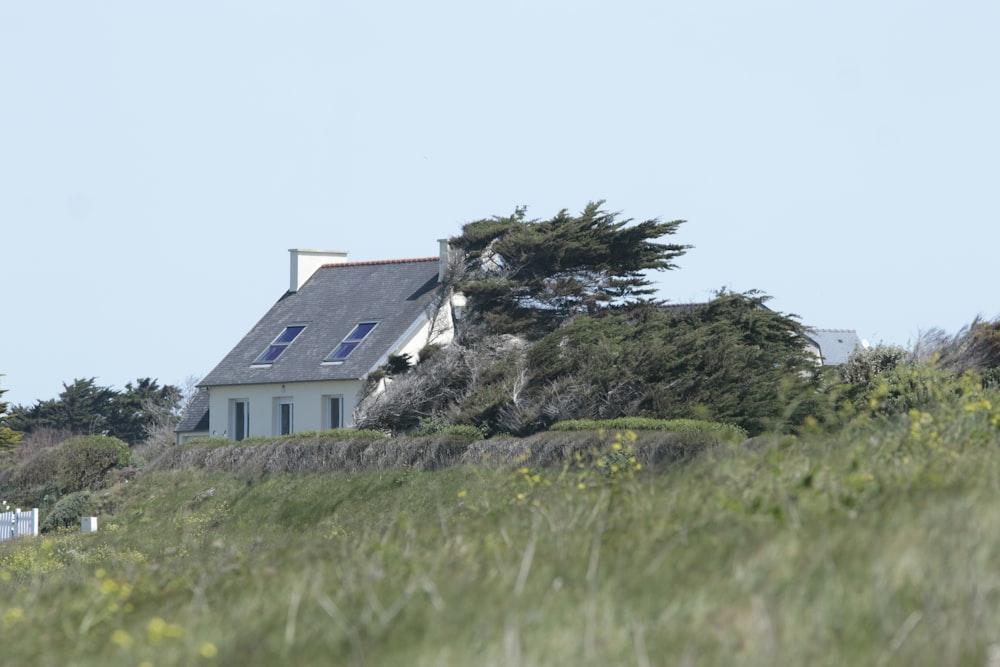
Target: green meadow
point(877, 545)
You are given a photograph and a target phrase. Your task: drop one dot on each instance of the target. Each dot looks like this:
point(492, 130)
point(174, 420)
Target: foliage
point(557, 328)
point(619, 462)
point(723, 560)
point(83, 408)
point(919, 386)
point(8, 436)
point(397, 364)
point(526, 276)
point(726, 432)
point(83, 461)
point(33, 478)
point(865, 365)
point(336, 434)
point(68, 511)
point(142, 408)
point(435, 426)
point(975, 347)
point(887, 380)
point(456, 384)
point(731, 360)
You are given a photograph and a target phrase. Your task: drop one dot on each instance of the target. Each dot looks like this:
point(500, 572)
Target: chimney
point(305, 262)
point(444, 258)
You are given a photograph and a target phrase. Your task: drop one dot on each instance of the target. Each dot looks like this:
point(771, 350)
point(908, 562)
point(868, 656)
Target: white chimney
point(443, 259)
point(305, 262)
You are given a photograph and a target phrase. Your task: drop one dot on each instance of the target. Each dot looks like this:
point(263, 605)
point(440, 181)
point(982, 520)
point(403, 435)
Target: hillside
point(876, 545)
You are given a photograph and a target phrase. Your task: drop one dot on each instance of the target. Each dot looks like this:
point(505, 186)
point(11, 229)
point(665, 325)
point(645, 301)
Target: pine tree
point(8, 437)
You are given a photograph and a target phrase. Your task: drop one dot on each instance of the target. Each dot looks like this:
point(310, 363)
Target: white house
point(304, 364)
point(833, 347)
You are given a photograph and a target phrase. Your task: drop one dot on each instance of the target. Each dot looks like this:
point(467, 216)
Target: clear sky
point(158, 159)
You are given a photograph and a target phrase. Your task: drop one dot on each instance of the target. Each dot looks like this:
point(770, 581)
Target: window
point(279, 345)
point(353, 339)
point(283, 424)
point(239, 419)
point(333, 408)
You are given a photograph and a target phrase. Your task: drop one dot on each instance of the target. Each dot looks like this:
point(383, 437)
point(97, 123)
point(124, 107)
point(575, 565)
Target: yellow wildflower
point(122, 638)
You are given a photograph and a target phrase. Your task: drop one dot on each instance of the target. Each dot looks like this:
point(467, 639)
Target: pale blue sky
point(158, 159)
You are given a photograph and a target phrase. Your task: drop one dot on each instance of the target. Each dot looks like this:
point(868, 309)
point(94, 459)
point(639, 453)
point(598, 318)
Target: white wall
point(308, 399)
point(304, 263)
point(183, 438)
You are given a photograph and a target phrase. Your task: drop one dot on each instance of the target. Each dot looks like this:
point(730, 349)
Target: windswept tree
point(731, 359)
point(527, 276)
point(522, 279)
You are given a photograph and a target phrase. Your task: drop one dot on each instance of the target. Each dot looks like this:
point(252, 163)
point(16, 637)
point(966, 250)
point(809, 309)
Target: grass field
point(877, 546)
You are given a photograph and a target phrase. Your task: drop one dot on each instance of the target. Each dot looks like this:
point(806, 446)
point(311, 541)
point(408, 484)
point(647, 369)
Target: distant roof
point(335, 299)
point(196, 414)
point(835, 345)
point(379, 262)
point(677, 308)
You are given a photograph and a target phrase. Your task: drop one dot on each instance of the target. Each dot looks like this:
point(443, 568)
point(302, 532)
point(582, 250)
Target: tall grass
point(876, 546)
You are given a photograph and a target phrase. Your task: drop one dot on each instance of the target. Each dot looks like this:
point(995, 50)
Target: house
point(833, 347)
point(303, 366)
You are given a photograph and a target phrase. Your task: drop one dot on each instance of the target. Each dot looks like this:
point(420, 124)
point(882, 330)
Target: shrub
point(975, 347)
point(68, 511)
point(428, 352)
point(35, 477)
point(725, 432)
point(436, 426)
point(463, 433)
point(84, 461)
point(867, 364)
point(335, 434)
point(991, 378)
point(919, 387)
point(429, 426)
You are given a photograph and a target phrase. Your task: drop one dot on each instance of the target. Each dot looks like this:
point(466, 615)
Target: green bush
point(37, 472)
point(918, 387)
point(725, 432)
point(336, 434)
point(83, 461)
point(68, 511)
point(461, 433)
point(437, 426)
point(865, 365)
point(429, 426)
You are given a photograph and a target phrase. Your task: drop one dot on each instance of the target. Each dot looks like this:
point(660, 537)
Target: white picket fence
point(17, 522)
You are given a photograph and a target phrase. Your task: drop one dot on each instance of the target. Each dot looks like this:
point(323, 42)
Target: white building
point(302, 367)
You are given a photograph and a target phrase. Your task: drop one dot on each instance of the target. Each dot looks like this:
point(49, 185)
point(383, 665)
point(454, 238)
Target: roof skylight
point(279, 345)
point(358, 334)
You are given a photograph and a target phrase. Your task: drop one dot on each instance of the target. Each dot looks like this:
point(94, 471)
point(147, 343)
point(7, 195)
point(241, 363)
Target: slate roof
point(835, 345)
point(337, 297)
point(195, 415)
